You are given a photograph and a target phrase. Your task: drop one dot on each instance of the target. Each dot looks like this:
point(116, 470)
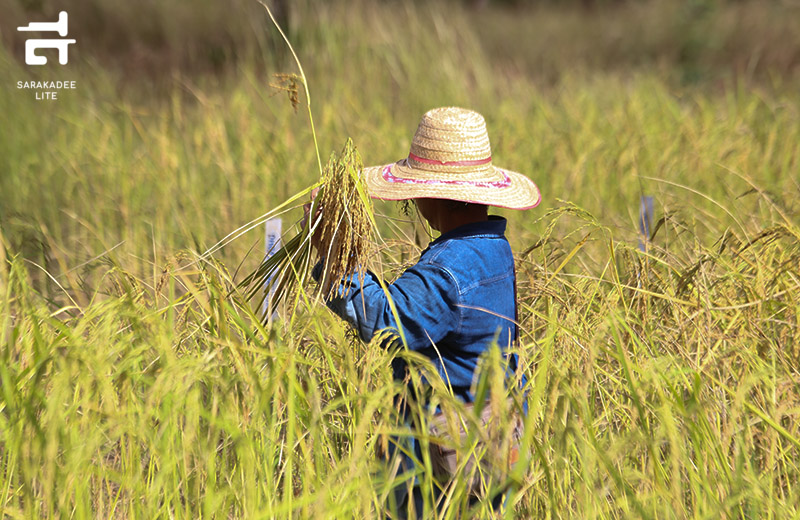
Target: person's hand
point(315, 237)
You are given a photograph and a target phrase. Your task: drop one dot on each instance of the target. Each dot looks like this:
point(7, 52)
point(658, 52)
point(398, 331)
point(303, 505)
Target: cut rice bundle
point(344, 227)
point(347, 221)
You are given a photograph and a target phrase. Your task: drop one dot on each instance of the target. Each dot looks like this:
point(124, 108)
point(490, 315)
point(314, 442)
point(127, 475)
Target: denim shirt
point(452, 304)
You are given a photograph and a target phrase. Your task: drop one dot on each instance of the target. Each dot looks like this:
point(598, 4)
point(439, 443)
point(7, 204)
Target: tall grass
point(672, 376)
point(657, 390)
point(137, 381)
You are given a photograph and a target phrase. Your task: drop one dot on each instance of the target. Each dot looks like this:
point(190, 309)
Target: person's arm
point(425, 299)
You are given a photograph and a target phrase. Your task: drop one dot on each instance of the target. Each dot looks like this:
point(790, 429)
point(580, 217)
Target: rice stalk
point(344, 227)
point(277, 275)
point(347, 221)
point(346, 224)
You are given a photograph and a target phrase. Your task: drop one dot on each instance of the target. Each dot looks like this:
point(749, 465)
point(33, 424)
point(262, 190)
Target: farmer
point(460, 296)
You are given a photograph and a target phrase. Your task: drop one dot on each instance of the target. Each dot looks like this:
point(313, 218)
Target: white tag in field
point(272, 243)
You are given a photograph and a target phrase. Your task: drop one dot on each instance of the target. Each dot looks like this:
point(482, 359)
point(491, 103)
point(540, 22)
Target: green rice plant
point(660, 374)
point(666, 387)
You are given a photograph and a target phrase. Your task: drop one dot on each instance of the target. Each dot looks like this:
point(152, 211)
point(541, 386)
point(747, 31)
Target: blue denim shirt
point(452, 304)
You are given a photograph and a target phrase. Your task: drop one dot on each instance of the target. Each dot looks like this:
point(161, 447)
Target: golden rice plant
point(342, 231)
point(347, 220)
point(343, 223)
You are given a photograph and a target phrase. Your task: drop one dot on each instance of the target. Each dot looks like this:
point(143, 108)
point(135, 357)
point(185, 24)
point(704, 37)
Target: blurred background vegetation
point(179, 131)
point(709, 40)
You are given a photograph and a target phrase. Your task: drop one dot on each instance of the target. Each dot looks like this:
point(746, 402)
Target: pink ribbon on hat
point(474, 162)
point(389, 177)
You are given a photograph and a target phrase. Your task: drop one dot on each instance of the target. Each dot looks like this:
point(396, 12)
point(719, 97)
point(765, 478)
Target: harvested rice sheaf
point(345, 227)
point(347, 221)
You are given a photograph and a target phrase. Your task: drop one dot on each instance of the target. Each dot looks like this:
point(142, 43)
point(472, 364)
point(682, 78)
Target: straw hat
point(450, 158)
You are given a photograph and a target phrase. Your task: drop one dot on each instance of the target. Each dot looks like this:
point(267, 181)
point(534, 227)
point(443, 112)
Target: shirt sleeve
point(425, 298)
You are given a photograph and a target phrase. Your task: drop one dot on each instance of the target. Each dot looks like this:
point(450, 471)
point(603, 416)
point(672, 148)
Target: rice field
point(138, 381)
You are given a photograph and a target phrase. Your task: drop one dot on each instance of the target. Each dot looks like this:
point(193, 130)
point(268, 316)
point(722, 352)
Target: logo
point(34, 44)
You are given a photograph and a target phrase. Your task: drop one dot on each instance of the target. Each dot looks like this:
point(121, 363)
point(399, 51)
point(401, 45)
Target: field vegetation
point(137, 381)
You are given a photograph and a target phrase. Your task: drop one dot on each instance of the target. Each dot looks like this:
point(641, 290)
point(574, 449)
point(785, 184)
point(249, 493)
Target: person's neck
point(458, 219)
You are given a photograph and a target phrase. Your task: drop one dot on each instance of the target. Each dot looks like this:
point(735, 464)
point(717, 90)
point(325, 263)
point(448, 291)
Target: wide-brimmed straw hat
point(451, 158)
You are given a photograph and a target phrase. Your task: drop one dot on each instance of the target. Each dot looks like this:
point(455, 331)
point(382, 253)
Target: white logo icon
point(33, 44)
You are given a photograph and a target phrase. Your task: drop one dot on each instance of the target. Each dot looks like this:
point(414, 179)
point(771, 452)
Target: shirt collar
point(495, 226)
